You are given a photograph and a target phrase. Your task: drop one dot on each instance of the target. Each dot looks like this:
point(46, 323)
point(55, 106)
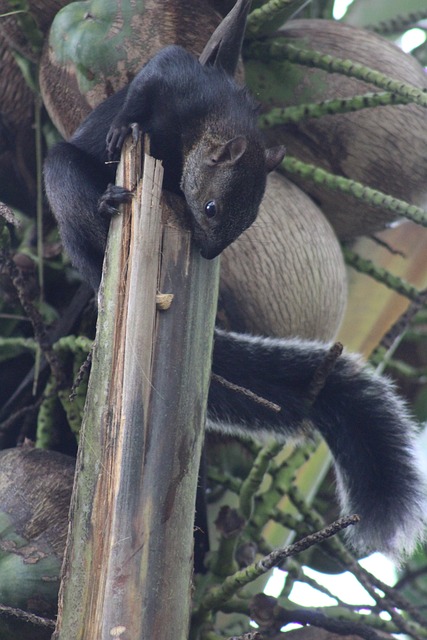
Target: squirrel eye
point(210, 209)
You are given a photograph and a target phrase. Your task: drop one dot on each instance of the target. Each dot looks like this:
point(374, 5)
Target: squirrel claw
point(115, 139)
point(112, 198)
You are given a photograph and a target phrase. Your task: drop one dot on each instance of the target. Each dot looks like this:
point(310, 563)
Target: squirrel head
point(223, 183)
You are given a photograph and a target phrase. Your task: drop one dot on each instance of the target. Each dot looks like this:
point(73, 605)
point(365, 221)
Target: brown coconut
point(285, 276)
point(382, 147)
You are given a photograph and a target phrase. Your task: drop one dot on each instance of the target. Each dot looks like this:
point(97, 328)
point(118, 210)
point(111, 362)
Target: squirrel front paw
point(112, 198)
point(115, 139)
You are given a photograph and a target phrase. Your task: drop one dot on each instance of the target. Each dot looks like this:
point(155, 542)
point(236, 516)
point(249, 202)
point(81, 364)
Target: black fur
point(365, 424)
point(201, 124)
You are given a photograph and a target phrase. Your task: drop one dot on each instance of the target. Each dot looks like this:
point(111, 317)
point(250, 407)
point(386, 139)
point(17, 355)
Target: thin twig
point(273, 617)
point(390, 340)
point(276, 557)
point(217, 596)
point(246, 392)
point(387, 246)
point(20, 413)
point(81, 374)
point(322, 372)
point(40, 330)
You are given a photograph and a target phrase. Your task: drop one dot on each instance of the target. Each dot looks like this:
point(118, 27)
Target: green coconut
point(35, 493)
point(96, 47)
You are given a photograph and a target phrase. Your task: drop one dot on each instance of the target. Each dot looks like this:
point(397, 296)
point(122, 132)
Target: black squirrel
point(203, 126)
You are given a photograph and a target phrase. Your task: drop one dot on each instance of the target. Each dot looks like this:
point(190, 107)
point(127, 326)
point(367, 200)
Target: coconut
point(285, 276)
point(97, 47)
point(35, 493)
point(383, 147)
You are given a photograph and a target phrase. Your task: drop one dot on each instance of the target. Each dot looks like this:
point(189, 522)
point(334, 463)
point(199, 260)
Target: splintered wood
point(131, 535)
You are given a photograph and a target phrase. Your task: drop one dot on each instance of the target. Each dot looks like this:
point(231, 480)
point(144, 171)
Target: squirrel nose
point(209, 248)
point(211, 252)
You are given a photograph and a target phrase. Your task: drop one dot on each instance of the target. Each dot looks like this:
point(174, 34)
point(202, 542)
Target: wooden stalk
point(128, 564)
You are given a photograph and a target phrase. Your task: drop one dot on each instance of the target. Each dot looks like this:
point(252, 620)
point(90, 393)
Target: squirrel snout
point(209, 247)
point(211, 252)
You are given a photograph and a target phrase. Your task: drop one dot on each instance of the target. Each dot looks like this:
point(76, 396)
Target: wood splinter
point(164, 301)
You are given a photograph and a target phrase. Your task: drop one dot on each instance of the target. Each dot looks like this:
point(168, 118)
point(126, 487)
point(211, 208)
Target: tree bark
point(128, 564)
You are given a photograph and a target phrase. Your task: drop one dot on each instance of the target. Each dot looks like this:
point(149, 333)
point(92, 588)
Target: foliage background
point(39, 287)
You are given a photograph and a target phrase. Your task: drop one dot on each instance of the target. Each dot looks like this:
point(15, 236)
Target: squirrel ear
point(224, 45)
point(229, 152)
point(273, 157)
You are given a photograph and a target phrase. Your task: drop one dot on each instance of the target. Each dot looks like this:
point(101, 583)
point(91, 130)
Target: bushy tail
point(367, 427)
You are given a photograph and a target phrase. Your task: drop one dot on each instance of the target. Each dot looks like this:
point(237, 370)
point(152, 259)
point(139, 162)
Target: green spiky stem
point(398, 23)
point(286, 115)
point(373, 197)
point(255, 477)
point(277, 50)
point(272, 13)
point(231, 585)
point(380, 275)
point(46, 417)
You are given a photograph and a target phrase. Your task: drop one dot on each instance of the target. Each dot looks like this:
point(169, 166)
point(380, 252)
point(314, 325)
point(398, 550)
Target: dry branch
point(128, 565)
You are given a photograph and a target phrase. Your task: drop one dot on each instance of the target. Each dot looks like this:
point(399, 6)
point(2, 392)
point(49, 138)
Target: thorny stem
point(295, 114)
point(321, 374)
point(398, 23)
point(390, 340)
point(246, 392)
point(84, 369)
point(271, 11)
point(381, 275)
point(336, 549)
point(353, 188)
point(39, 327)
point(281, 50)
point(218, 595)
